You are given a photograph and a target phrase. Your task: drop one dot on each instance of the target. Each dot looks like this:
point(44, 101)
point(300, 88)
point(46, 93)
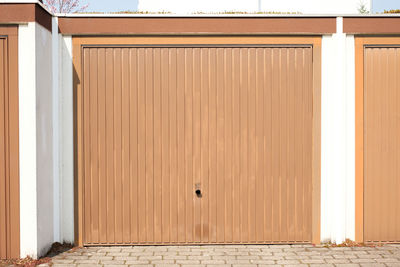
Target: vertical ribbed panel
point(9, 147)
point(381, 145)
point(3, 177)
point(233, 122)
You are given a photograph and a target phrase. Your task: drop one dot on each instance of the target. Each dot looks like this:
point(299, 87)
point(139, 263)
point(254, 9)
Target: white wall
point(56, 133)
point(44, 130)
point(27, 139)
point(338, 137)
point(302, 6)
point(36, 133)
point(66, 142)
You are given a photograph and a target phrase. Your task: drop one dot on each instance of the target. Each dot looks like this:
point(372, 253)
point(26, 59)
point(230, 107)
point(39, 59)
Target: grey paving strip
point(232, 256)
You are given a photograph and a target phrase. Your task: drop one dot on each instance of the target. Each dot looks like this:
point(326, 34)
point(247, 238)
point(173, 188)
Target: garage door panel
point(202, 207)
point(157, 144)
point(102, 148)
point(9, 144)
point(228, 146)
point(381, 118)
point(160, 123)
point(3, 177)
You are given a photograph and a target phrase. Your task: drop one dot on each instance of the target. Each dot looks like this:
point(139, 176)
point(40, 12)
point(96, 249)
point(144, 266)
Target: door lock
point(198, 191)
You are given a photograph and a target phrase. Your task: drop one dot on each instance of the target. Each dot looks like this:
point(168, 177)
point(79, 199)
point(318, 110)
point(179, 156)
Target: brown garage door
point(160, 123)
point(9, 168)
point(382, 144)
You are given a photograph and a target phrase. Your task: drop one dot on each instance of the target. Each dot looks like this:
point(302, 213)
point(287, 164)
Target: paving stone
point(163, 262)
point(189, 253)
point(56, 261)
point(249, 257)
point(264, 262)
point(114, 262)
point(150, 258)
point(113, 249)
point(288, 262)
point(144, 253)
point(337, 261)
point(244, 253)
point(137, 262)
point(316, 261)
point(238, 261)
point(212, 262)
point(346, 256)
point(175, 257)
point(220, 257)
point(126, 258)
point(183, 262)
point(87, 261)
point(119, 254)
point(362, 260)
point(297, 257)
point(205, 257)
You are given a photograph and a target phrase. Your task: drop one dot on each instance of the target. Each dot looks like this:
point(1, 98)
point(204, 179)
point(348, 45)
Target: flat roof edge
point(111, 15)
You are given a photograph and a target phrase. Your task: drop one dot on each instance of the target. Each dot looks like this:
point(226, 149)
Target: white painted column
point(56, 131)
point(27, 139)
point(66, 142)
point(44, 139)
point(338, 136)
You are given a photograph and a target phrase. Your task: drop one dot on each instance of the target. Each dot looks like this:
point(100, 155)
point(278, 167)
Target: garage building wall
point(47, 145)
point(37, 151)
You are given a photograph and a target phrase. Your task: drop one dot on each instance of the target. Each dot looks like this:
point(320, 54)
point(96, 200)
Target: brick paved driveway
point(238, 255)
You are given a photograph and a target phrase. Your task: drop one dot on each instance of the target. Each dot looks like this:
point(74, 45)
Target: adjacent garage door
point(9, 168)
point(382, 144)
point(201, 144)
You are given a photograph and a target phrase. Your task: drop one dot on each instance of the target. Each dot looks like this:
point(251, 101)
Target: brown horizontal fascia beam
point(190, 25)
point(371, 25)
point(17, 13)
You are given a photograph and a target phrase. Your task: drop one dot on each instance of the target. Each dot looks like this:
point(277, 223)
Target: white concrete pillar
point(56, 131)
point(338, 136)
point(27, 139)
point(66, 142)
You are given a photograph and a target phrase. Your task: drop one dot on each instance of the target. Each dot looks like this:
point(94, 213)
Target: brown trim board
point(374, 25)
point(23, 13)
point(191, 25)
point(11, 246)
point(80, 42)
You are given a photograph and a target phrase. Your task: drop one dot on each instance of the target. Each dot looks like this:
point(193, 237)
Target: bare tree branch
point(65, 6)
